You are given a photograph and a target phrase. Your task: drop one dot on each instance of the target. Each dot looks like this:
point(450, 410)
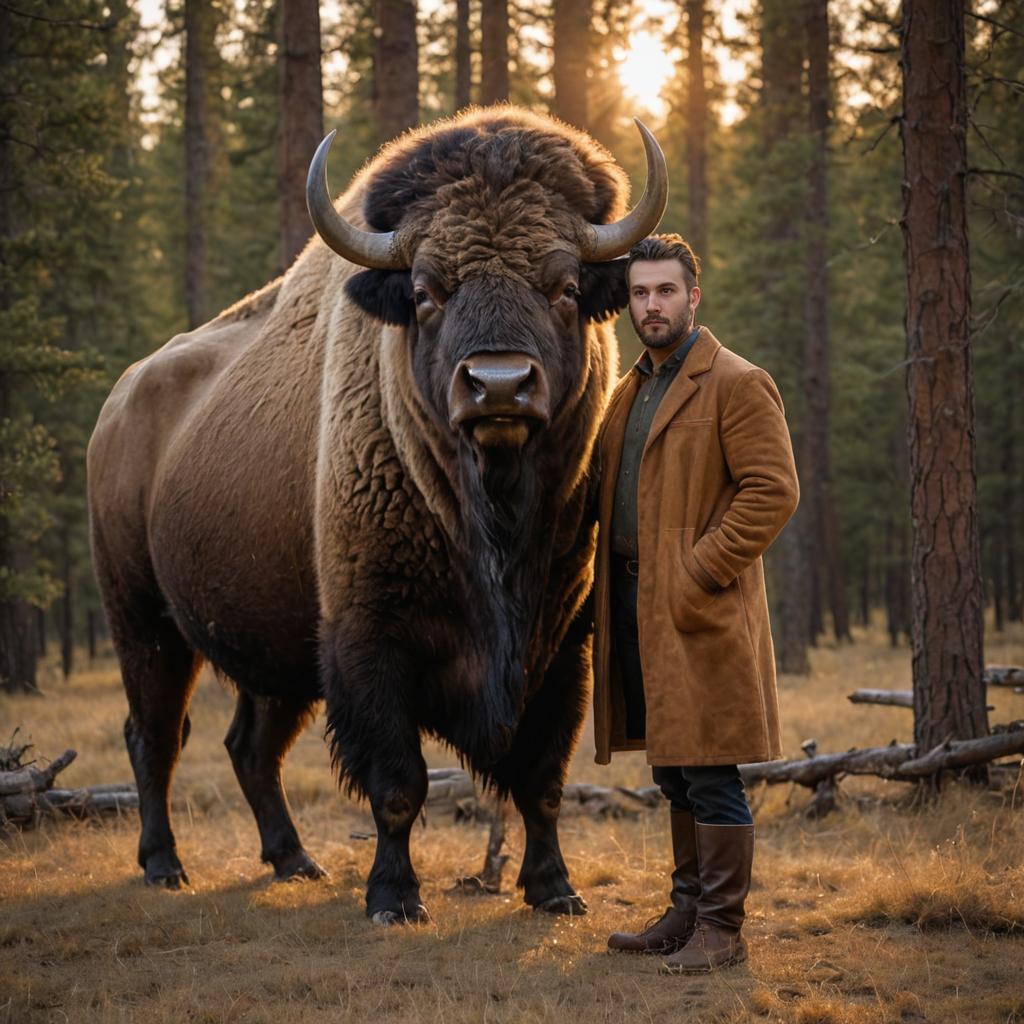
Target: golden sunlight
point(644, 70)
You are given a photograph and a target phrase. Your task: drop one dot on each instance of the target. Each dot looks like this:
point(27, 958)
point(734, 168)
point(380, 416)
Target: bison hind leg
point(261, 733)
point(158, 669)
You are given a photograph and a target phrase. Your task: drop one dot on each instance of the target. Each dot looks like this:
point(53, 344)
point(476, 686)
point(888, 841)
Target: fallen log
point(883, 761)
point(609, 801)
point(995, 675)
point(452, 789)
point(897, 762)
point(965, 752)
point(1004, 675)
point(452, 786)
point(78, 803)
point(895, 698)
point(34, 780)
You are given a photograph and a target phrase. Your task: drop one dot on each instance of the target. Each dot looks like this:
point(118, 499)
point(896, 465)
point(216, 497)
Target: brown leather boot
point(725, 853)
point(671, 931)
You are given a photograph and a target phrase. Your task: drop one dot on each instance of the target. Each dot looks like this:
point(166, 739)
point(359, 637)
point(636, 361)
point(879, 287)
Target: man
point(697, 480)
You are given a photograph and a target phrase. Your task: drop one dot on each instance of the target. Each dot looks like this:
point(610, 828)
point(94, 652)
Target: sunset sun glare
point(645, 69)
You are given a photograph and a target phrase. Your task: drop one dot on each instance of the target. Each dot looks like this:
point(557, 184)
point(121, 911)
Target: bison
point(370, 486)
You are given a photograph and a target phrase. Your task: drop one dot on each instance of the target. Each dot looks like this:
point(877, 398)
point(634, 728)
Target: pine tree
point(300, 119)
point(59, 263)
point(949, 692)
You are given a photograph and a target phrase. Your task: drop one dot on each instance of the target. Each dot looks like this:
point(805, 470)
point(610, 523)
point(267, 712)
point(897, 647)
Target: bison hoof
point(298, 867)
point(387, 918)
point(165, 871)
point(574, 905)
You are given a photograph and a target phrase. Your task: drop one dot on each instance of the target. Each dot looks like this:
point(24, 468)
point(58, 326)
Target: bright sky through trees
point(646, 66)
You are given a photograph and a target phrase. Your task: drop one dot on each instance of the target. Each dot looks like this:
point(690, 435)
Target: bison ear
point(603, 289)
point(384, 294)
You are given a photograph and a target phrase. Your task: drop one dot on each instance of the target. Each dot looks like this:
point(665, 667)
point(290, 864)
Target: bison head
point(489, 258)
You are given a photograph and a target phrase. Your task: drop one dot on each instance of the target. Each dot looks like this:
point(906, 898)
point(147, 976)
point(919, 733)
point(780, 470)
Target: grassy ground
point(879, 913)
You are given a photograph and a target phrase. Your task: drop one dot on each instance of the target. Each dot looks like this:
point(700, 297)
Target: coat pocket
point(692, 606)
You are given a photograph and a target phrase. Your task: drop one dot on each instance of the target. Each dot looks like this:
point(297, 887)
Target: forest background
point(152, 164)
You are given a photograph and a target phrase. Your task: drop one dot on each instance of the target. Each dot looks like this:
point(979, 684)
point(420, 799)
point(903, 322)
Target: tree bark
point(947, 633)
point(18, 635)
point(494, 51)
point(571, 60)
point(396, 69)
point(463, 55)
point(696, 129)
point(300, 120)
point(199, 45)
point(826, 552)
point(1009, 517)
point(793, 601)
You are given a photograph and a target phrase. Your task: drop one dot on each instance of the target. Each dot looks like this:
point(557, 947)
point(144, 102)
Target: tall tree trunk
point(827, 556)
point(118, 41)
point(463, 55)
point(67, 614)
point(396, 68)
point(782, 101)
point(947, 633)
point(199, 44)
point(493, 51)
point(865, 592)
point(18, 635)
point(696, 129)
point(17, 619)
point(1010, 517)
point(300, 120)
point(571, 60)
point(792, 604)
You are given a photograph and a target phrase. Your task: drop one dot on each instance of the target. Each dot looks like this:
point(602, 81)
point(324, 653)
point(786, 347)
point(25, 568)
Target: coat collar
point(686, 383)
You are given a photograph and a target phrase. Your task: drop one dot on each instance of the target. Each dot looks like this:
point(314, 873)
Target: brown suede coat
point(717, 484)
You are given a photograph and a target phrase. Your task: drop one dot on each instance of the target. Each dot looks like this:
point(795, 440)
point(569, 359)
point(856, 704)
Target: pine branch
point(992, 21)
point(895, 119)
point(60, 22)
point(993, 172)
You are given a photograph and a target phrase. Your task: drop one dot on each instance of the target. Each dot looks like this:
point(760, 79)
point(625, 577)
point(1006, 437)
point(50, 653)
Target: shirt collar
point(646, 365)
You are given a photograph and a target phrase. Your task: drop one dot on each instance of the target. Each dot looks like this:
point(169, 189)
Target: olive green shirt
point(653, 385)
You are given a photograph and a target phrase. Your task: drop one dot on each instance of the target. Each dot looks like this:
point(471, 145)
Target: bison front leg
point(376, 745)
point(535, 770)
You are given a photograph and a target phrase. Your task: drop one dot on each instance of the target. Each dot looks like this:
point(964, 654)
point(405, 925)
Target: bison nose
point(499, 384)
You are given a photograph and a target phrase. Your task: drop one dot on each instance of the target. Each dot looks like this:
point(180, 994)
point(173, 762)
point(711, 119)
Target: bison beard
point(502, 514)
point(284, 494)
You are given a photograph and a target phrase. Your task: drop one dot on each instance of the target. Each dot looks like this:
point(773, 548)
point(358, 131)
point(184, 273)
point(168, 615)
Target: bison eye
point(420, 295)
point(571, 290)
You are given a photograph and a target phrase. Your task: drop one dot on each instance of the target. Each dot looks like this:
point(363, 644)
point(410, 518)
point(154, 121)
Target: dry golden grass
point(879, 914)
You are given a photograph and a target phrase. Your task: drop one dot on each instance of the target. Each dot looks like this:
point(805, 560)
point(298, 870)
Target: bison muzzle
point(368, 483)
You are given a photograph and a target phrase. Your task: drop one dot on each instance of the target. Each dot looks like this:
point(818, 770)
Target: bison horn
point(366, 248)
point(606, 241)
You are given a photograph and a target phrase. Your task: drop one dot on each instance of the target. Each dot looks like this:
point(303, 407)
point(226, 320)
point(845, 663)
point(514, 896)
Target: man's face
point(661, 305)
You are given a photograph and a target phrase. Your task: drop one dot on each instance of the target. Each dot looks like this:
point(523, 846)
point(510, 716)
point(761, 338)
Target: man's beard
point(677, 330)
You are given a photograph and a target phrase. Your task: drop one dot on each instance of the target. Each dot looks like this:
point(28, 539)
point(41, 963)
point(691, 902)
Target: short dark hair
point(666, 247)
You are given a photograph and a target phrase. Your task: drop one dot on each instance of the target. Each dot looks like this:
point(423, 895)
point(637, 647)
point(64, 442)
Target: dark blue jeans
point(713, 794)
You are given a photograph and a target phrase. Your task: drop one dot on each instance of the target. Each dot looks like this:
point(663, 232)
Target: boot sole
point(660, 951)
point(731, 962)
